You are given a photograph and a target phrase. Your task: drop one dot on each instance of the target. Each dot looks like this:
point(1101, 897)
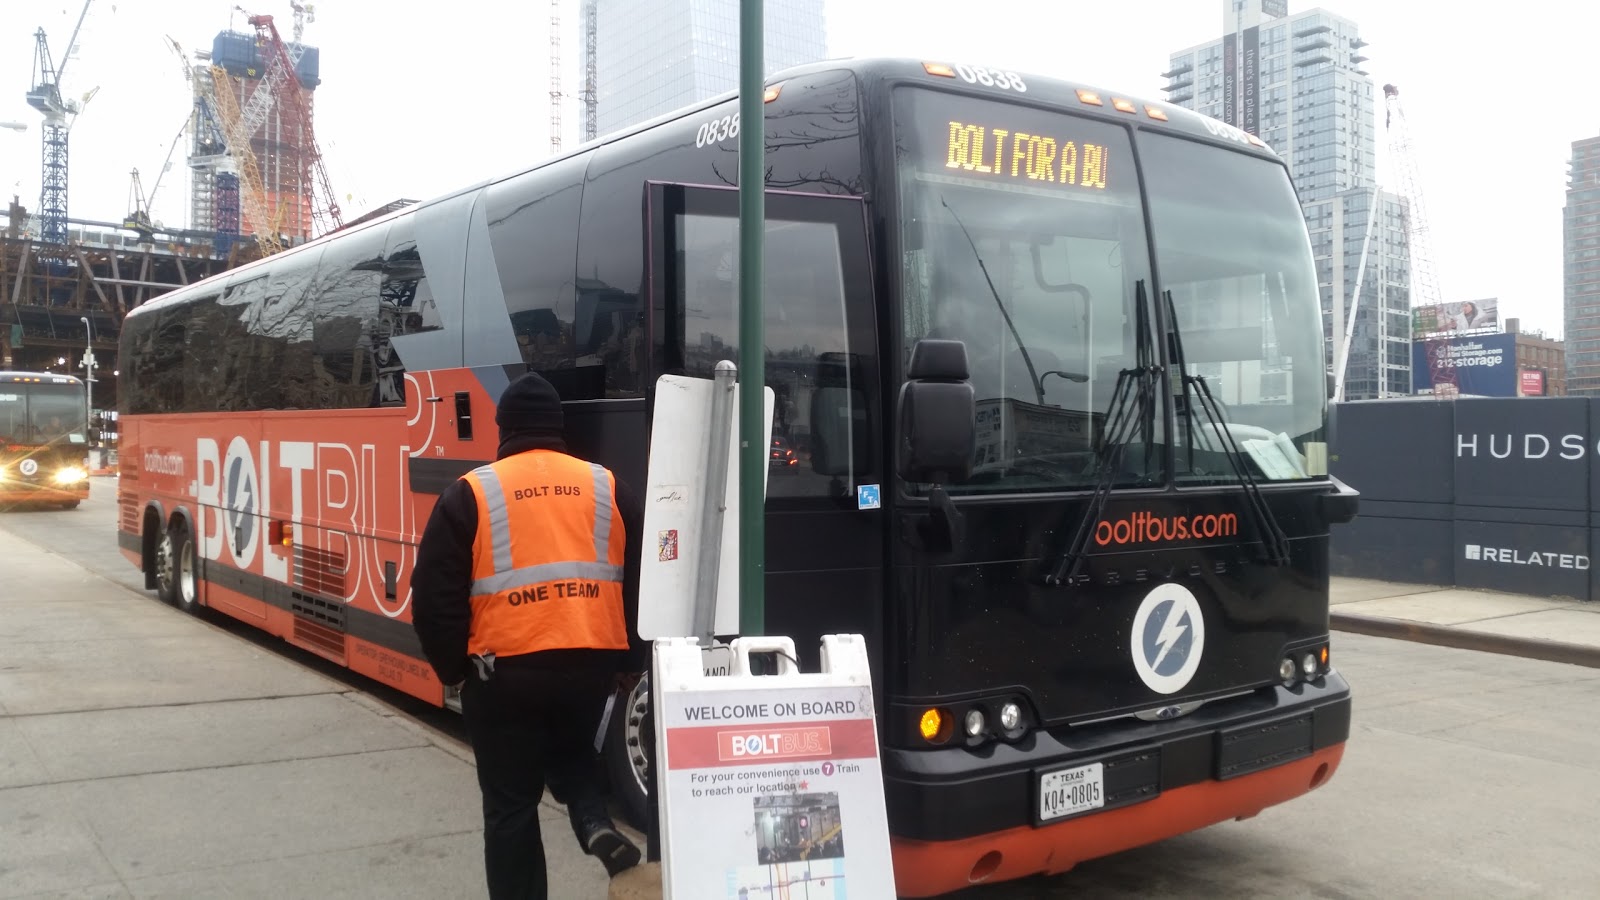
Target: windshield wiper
point(1274, 542)
point(1033, 377)
point(1133, 406)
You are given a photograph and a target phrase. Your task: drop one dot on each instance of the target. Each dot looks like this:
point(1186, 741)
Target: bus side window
point(346, 300)
point(533, 232)
point(405, 306)
point(820, 400)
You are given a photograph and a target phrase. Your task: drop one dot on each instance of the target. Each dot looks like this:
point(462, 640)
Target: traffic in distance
point(44, 439)
point(1050, 432)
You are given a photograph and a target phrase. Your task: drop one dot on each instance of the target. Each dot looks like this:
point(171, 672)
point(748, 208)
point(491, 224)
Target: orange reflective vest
point(547, 561)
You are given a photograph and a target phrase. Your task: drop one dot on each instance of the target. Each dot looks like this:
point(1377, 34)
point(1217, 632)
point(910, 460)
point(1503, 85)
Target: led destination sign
point(1016, 154)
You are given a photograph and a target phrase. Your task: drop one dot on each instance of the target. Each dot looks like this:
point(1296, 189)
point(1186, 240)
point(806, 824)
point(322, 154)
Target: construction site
point(256, 182)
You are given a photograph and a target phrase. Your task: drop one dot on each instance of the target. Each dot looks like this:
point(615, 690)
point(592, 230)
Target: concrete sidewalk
point(147, 753)
point(1557, 630)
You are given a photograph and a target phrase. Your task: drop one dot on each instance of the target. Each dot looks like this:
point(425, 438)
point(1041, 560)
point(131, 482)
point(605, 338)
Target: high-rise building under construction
point(281, 144)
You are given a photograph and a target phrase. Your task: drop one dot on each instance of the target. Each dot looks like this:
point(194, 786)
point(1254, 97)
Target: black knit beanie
point(530, 407)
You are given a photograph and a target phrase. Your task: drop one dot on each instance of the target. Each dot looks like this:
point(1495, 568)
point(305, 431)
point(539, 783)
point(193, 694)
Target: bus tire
point(176, 573)
point(628, 747)
point(70, 504)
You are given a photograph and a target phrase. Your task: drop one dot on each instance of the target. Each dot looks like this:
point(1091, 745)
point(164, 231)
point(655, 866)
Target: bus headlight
point(1308, 666)
point(70, 475)
point(1286, 670)
point(1010, 717)
point(974, 723)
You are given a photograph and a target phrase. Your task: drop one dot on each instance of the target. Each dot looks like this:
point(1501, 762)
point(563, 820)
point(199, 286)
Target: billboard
point(1485, 365)
point(1532, 382)
point(1250, 81)
point(1230, 88)
point(1468, 315)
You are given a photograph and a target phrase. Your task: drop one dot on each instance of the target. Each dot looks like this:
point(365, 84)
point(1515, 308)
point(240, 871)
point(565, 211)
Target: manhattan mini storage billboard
point(1485, 365)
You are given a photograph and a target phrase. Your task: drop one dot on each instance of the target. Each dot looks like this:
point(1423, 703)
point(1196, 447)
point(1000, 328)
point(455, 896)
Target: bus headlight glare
point(974, 722)
point(70, 475)
point(1010, 716)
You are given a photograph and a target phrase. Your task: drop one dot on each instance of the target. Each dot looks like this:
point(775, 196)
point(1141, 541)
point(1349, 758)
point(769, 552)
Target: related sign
point(1443, 318)
point(676, 486)
point(1484, 365)
point(771, 785)
point(1532, 382)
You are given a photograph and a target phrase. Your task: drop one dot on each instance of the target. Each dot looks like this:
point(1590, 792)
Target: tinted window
point(346, 299)
point(533, 231)
point(405, 306)
point(806, 334)
point(280, 320)
point(153, 347)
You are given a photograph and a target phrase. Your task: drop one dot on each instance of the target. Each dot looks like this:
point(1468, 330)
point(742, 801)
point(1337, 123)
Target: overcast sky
point(414, 104)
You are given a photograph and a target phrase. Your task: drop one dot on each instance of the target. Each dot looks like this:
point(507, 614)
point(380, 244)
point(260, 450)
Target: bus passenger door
point(826, 461)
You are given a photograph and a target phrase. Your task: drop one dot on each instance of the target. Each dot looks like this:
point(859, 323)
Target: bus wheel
point(627, 753)
point(175, 568)
point(69, 504)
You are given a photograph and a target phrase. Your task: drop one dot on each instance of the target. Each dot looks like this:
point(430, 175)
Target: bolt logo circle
point(29, 467)
point(1167, 638)
point(752, 744)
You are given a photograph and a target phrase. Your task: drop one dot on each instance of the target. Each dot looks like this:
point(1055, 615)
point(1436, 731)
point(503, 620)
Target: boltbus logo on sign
point(774, 743)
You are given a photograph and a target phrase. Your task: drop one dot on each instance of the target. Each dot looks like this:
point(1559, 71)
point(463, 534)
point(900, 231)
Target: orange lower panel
point(930, 868)
point(403, 673)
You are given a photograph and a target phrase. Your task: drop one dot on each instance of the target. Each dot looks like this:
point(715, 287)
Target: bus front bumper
point(959, 818)
point(15, 490)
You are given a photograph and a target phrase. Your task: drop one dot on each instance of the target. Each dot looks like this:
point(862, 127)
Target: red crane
point(325, 213)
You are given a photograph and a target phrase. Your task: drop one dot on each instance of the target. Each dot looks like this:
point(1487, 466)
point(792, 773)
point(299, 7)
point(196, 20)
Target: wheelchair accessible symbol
point(867, 497)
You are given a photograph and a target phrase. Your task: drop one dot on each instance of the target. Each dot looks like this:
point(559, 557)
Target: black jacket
point(441, 583)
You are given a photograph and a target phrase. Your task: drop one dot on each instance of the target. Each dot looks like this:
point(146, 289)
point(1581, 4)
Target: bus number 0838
point(717, 130)
point(1006, 81)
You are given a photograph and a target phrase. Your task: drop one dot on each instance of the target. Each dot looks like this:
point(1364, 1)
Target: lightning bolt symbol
point(244, 504)
point(1172, 629)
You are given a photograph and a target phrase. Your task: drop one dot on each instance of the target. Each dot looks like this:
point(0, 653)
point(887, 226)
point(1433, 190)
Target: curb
point(1465, 639)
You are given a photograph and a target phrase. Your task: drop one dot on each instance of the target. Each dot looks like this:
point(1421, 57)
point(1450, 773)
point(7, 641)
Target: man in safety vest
point(526, 596)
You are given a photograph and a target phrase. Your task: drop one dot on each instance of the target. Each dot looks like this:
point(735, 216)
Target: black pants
point(531, 727)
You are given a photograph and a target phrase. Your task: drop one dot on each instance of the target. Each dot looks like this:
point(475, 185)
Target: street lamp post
point(88, 380)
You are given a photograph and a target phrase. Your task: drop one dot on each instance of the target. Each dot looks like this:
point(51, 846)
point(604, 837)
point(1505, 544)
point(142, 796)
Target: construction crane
point(214, 182)
point(140, 204)
point(1424, 278)
point(45, 96)
point(279, 86)
point(555, 77)
point(591, 70)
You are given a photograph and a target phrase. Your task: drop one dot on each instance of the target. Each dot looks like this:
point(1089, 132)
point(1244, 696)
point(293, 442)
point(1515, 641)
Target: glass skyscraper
point(1581, 274)
point(655, 56)
point(1297, 82)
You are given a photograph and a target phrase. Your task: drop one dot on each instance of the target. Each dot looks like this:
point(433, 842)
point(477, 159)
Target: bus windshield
point(1023, 236)
point(1234, 258)
point(42, 414)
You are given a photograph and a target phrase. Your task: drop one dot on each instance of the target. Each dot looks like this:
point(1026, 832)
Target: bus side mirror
point(938, 432)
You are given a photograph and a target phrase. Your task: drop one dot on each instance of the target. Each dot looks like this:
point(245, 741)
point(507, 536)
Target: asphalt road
point(1468, 775)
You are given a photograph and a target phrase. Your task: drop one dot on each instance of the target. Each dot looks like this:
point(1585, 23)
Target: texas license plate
point(1069, 791)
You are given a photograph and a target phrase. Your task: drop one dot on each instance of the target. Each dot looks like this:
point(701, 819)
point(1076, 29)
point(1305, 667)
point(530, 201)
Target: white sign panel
point(680, 442)
point(772, 785)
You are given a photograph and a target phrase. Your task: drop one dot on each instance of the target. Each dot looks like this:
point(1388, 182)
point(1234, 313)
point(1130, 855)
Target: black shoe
point(614, 851)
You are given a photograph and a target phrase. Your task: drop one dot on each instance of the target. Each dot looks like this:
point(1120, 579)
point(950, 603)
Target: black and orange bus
point(44, 439)
point(1102, 622)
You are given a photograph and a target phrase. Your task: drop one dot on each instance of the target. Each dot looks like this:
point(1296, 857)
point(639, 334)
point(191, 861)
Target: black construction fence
point(1498, 494)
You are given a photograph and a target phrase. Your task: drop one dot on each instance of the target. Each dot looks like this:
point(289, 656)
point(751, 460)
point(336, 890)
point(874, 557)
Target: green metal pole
point(752, 337)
